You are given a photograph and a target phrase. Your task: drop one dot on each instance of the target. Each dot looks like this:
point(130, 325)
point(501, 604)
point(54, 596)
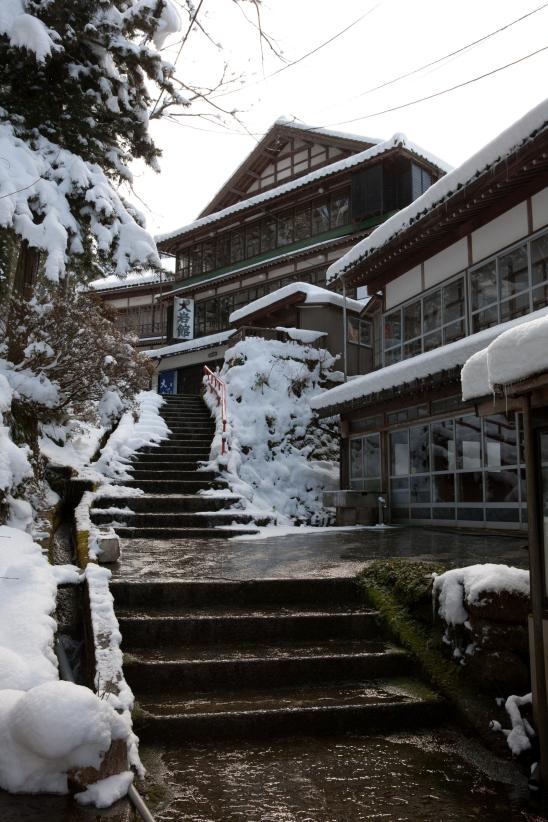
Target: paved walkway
point(329, 552)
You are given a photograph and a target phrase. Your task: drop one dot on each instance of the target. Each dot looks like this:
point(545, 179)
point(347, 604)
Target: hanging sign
point(183, 318)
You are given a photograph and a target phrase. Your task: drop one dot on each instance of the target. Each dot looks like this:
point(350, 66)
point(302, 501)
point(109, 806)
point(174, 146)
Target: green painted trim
point(332, 234)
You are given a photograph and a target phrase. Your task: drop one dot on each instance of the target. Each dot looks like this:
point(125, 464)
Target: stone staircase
point(170, 476)
point(213, 659)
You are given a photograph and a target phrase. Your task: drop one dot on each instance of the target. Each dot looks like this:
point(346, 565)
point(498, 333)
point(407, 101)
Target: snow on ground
point(270, 531)
point(423, 365)
point(47, 727)
point(517, 353)
point(520, 734)
point(480, 163)
point(313, 294)
point(279, 462)
point(73, 445)
point(468, 586)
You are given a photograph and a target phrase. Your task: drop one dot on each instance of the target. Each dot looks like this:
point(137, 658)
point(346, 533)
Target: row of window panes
point(291, 226)
point(428, 322)
point(365, 462)
point(510, 285)
point(461, 461)
point(360, 332)
point(212, 315)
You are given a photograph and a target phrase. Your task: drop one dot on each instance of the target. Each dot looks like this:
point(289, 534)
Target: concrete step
point(194, 451)
point(218, 532)
point(181, 672)
point(167, 503)
point(191, 627)
point(362, 707)
point(238, 594)
point(152, 486)
point(178, 463)
point(162, 458)
point(163, 520)
point(198, 427)
point(158, 475)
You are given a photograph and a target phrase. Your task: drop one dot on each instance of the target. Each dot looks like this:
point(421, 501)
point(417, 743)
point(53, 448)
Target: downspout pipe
point(133, 794)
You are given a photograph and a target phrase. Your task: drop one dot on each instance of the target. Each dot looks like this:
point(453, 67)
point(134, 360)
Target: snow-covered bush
point(281, 457)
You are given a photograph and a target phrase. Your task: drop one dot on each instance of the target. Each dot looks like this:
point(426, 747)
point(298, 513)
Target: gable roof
point(265, 152)
point(398, 141)
point(295, 292)
point(431, 213)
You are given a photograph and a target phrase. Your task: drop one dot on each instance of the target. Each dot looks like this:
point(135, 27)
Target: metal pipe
point(345, 332)
point(66, 673)
point(537, 589)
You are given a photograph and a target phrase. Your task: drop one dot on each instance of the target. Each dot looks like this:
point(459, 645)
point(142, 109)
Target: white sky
point(327, 88)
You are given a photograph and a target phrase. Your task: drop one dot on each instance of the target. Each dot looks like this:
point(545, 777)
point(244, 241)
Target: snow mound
point(107, 791)
point(50, 729)
point(279, 460)
point(471, 585)
point(520, 734)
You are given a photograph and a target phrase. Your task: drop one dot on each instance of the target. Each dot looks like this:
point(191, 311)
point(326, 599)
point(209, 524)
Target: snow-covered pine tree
point(78, 77)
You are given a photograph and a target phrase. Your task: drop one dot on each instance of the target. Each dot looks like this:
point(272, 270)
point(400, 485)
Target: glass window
point(183, 262)
point(392, 329)
point(470, 487)
point(419, 449)
point(443, 487)
point(196, 260)
point(454, 331)
point(223, 250)
point(302, 223)
point(420, 489)
point(411, 349)
point(237, 250)
point(366, 333)
point(483, 285)
point(500, 441)
point(268, 234)
point(515, 307)
point(501, 486)
point(208, 263)
point(399, 493)
point(412, 321)
point(513, 272)
point(443, 445)
point(372, 455)
point(539, 260)
point(453, 301)
point(340, 210)
point(399, 454)
point(285, 228)
point(211, 316)
point(468, 436)
point(356, 458)
point(253, 240)
point(226, 308)
point(432, 341)
point(320, 217)
point(431, 310)
point(353, 330)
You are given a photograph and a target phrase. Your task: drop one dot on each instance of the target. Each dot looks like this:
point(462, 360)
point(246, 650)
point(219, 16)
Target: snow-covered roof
point(327, 132)
point(517, 353)
point(313, 294)
point(424, 365)
point(133, 278)
point(397, 141)
point(480, 163)
point(190, 345)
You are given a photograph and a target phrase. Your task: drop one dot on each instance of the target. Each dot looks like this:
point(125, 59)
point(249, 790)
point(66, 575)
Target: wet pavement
point(45, 808)
point(437, 776)
point(330, 552)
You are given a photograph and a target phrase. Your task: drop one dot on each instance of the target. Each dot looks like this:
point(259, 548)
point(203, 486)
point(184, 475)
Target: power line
point(448, 56)
point(303, 56)
point(431, 96)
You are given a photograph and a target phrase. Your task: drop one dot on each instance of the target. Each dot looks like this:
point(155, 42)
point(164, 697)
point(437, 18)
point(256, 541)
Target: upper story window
point(421, 179)
point(360, 332)
point(259, 237)
point(432, 320)
point(509, 285)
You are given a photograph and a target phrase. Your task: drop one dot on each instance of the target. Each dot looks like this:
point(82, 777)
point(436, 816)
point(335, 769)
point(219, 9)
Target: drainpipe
point(537, 590)
point(345, 332)
point(133, 794)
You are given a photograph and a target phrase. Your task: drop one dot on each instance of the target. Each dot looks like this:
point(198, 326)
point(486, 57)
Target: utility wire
point(448, 56)
point(431, 96)
point(303, 56)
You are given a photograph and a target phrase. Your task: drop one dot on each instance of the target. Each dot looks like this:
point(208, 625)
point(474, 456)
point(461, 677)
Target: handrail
point(218, 386)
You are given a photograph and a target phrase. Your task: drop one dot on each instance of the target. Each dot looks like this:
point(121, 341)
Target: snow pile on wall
point(47, 727)
point(520, 734)
point(459, 587)
point(516, 354)
point(132, 434)
point(279, 460)
point(14, 463)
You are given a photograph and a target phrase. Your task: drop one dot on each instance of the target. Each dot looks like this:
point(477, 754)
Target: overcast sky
point(386, 38)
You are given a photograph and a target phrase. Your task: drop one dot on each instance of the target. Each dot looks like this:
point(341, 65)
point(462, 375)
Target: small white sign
point(183, 318)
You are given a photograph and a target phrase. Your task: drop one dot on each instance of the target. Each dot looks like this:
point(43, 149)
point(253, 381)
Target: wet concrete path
point(329, 552)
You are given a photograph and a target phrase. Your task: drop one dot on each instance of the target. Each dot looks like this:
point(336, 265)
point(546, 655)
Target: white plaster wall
point(133, 301)
point(448, 262)
point(403, 287)
point(539, 203)
point(504, 230)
